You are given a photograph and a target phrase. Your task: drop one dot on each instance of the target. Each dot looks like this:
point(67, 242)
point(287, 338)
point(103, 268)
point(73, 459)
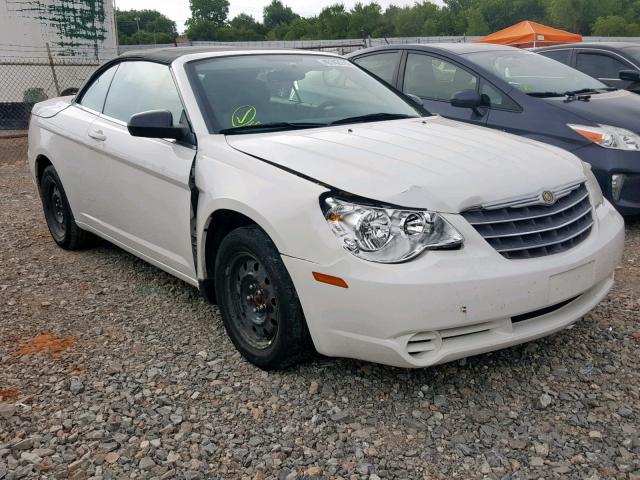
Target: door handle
point(97, 135)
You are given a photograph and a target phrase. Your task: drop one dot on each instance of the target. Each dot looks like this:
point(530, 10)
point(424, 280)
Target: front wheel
point(260, 308)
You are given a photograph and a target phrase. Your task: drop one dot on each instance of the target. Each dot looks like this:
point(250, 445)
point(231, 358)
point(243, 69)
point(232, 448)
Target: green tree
point(208, 19)
point(459, 6)
point(153, 27)
point(214, 11)
point(333, 22)
point(615, 26)
point(302, 29)
point(500, 14)
point(365, 19)
point(244, 28)
point(634, 10)
point(203, 30)
point(476, 24)
point(245, 22)
point(574, 15)
point(406, 23)
point(423, 18)
point(276, 14)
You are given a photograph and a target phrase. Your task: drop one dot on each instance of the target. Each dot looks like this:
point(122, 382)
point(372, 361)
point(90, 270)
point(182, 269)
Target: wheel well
point(219, 225)
point(42, 162)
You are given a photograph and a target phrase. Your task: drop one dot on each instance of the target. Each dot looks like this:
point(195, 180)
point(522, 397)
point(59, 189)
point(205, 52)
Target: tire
point(57, 213)
point(260, 308)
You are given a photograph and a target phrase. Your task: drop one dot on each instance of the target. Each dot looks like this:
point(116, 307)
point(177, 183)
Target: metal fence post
point(53, 70)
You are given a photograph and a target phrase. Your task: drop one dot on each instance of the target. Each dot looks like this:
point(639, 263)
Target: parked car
point(526, 94)
point(319, 207)
point(616, 64)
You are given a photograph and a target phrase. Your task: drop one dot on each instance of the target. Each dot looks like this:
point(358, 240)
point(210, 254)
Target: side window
point(600, 65)
point(95, 95)
point(432, 78)
point(142, 86)
point(383, 65)
point(494, 98)
point(562, 56)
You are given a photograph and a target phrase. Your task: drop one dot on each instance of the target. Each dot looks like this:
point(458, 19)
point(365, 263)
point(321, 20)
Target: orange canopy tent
point(530, 34)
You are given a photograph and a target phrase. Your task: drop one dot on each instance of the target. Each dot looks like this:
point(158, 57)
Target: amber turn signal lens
point(595, 137)
point(330, 280)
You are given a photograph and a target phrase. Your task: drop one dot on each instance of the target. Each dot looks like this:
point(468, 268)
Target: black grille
point(520, 232)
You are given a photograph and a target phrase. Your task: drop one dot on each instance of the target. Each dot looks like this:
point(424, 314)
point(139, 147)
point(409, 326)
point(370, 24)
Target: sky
point(178, 10)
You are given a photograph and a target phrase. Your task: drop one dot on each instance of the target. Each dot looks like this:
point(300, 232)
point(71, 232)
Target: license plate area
point(571, 283)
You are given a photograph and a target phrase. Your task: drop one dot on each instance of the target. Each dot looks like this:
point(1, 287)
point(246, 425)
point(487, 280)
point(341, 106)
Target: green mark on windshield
point(244, 116)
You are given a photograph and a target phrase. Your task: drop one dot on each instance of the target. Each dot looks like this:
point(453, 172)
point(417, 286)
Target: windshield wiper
point(571, 95)
point(275, 126)
point(545, 94)
point(582, 91)
point(584, 94)
point(372, 117)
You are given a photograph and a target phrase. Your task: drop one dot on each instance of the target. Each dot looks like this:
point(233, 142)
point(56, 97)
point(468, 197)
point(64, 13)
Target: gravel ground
point(137, 379)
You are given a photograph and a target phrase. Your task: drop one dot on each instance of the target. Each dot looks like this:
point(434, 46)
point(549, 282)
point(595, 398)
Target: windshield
point(251, 92)
point(535, 74)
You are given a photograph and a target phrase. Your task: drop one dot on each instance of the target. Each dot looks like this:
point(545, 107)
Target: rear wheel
point(57, 213)
point(260, 309)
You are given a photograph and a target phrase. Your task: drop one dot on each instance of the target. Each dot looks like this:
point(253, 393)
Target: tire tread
point(75, 238)
point(296, 345)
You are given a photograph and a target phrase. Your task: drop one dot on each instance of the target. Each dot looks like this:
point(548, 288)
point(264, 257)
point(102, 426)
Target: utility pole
point(115, 23)
point(137, 19)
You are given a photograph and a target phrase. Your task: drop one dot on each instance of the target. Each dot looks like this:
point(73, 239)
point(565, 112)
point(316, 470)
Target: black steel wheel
point(254, 303)
point(57, 213)
point(260, 308)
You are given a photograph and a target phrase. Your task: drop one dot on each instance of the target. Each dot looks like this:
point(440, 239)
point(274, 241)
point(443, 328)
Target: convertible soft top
point(170, 54)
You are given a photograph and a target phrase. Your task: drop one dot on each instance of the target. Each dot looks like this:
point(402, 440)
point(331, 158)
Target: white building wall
point(76, 28)
point(80, 35)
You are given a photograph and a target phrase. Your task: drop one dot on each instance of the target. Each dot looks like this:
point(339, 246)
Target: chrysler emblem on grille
point(548, 197)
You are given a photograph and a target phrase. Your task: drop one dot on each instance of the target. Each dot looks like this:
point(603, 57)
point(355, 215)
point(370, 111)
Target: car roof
point(169, 54)
point(601, 45)
point(457, 48)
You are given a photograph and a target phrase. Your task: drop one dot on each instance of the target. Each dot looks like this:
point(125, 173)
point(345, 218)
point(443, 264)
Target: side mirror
point(155, 124)
point(416, 99)
point(630, 75)
point(466, 99)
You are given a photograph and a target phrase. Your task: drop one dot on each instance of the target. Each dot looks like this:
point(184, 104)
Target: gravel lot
point(136, 379)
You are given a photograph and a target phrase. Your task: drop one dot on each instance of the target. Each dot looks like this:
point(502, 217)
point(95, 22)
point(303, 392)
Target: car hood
point(620, 108)
point(431, 163)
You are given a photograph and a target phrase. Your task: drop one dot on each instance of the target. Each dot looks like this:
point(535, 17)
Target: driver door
point(140, 187)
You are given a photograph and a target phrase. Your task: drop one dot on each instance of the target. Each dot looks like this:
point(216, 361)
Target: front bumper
point(447, 305)
point(606, 163)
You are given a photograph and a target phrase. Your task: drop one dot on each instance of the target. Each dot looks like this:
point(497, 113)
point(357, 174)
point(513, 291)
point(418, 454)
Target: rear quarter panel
point(63, 140)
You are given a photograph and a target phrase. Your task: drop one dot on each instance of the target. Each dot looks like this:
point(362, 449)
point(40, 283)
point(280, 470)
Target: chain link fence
point(25, 81)
point(28, 75)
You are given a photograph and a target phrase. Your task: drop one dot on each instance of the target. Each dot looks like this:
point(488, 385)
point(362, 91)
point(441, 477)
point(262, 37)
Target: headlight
point(609, 137)
point(592, 184)
point(387, 235)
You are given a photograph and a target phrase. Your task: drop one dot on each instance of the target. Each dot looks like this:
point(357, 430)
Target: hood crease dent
point(429, 163)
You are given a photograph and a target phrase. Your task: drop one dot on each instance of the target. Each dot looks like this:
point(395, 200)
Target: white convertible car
point(319, 208)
